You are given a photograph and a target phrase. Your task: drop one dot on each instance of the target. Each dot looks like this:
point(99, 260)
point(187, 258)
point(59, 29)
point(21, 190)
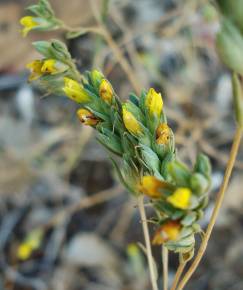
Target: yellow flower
point(29, 23)
point(32, 242)
point(24, 251)
point(151, 186)
point(52, 66)
point(130, 122)
point(75, 91)
point(180, 198)
point(163, 134)
point(169, 231)
point(133, 249)
point(86, 117)
point(106, 91)
point(154, 103)
point(35, 69)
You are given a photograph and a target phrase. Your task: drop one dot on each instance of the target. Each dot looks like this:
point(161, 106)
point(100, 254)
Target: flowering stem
point(178, 275)
point(165, 257)
point(147, 243)
point(218, 203)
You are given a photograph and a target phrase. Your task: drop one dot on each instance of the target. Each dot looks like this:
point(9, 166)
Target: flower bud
point(30, 23)
point(153, 187)
point(163, 134)
point(230, 46)
point(130, 122)
point(154, 103)
point(169, 231)
point(31, 243)
point(86, 117)
point(75, 91)
point(52, 66)
point(96, 77)
point(180, 198)
point(199, 183)
point(106, 91)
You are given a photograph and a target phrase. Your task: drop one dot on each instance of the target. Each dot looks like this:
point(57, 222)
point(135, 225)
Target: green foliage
point(230, 46)
point(42, 9)
point(233, 10)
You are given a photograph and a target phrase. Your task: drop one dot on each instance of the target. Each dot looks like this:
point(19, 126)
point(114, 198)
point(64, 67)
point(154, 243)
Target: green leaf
point(60, 51)
point(111, 142)
point(95, 78)
point(45, 5)
point(150, 158)
point(134, 99)
point(203, 166)
point(165, 207)
point(44, 48)
point(183, 245)
point(232, 9)
point(199, 183)
point(120, 176)
point(35, 9)
point(229, 43)
point(189, 219)
point(179, 173)
point(169, 157)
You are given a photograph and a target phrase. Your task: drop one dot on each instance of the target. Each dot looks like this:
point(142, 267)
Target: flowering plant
point(136, 132)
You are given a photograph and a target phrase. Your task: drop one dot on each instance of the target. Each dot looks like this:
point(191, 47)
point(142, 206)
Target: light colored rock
point(89, 250)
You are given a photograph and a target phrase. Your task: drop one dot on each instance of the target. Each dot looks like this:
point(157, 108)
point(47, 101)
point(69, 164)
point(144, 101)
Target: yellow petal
point(154, 103)
point(151, 186)
point(29, 23)
point(75, 91)
point(35, 68)
point(52, 66)
point(131, 122)
point(163, 134)
point(86, 117)
point(180, 198)
point(169, 231)
point(106, 91)
point(24, 251)
point(35, 65)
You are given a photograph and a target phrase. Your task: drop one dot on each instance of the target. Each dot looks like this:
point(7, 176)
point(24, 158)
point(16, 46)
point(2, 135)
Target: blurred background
point(57, 186)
